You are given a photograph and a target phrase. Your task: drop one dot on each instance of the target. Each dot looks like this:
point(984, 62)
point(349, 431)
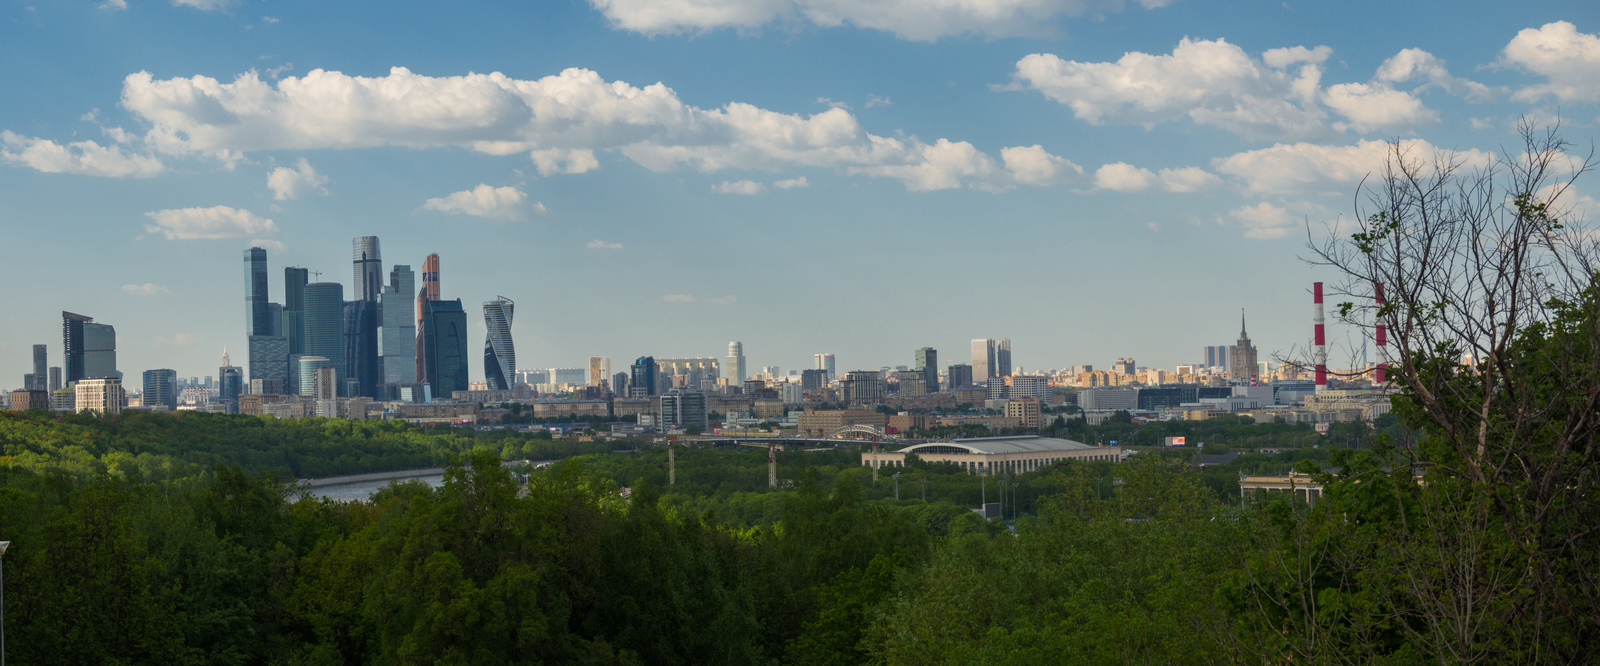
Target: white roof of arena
point(996, 445)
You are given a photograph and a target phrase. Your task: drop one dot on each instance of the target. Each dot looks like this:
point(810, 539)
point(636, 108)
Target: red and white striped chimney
point(1321, 351)
point(1382, 335)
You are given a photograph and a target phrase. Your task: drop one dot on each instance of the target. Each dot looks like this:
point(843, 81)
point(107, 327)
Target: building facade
point(445, 355)
point(41, 359)
point(1002, 357)
point(991, 456)
point(367, 266)
point(736, 369)
point(397, 328)
point(642, 379)
point(323, 321)
point(160, 389)
point(1242, 368)
point(983, 361)
point(90, 349)
point(960, 376)
point(825, 363)
point(257, 321)
point(927, 362)
point(428, 292)
point(499, 355)
point(681, 409)
point(101, 395)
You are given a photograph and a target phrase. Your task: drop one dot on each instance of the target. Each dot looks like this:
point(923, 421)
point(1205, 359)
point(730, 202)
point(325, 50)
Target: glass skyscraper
point(368, 266)
point(642, 380)
point(294, 305)
point(499, 356)
point(397, 333)
point(90, 349)
point(445, 352)
point(160, 389)
point(928, 364)
point(41, 359)
point(323, 321)
point(361, 365)
point(257, 318)
point(269, 358)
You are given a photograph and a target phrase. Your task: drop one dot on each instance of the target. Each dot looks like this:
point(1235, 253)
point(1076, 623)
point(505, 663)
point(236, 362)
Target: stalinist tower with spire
point(1242, 366)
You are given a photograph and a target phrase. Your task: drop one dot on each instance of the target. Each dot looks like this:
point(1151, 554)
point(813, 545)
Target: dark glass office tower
point(90, 349)
point(499, 356)
point(257, 319)
point(368, 265)
point(323, 322)
point(928, 364)
point(41, 361)
point(444, 355)
point(363, 370)
point(642, 383)
point(294, 298)
point(160, 389)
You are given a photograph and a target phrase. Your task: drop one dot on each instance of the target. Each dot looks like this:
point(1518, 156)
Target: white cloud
point(114, 5)
point(1308, 167)
point(1032, 165)
point(269, 20)
point(1569, 60)
point(267, 244)
point(82, 157)
point(207, 223)
point(205, 5)
point(678, 298)
point(1263, 220)
point(1123, 177)
point(1188, 179)
point(738, 187)
point(1414, 64)
point(496, 203)
point(1214, 83)
point(1377, 107)
point(146, 289)
point(598, 244)
point(792, 183)
point(559, 121)
point(1211, 82)
point(921, 20)
point(874, 100)
point(289, 183)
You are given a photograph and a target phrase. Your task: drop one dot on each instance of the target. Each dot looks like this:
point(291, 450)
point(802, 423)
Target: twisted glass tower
point(499, 357)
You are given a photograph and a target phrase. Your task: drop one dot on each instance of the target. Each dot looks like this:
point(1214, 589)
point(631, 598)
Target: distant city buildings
point(736, 369)
point(682, 408)
point(960, 376)
point(90, 349)
point(160, 390)
point(927, 363)
point(1242, 358)
point(825, 363)
point(642, 380)
point(983, 360)
point(445, 351)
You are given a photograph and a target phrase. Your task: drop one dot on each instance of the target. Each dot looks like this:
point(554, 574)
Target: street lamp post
point(3, 546)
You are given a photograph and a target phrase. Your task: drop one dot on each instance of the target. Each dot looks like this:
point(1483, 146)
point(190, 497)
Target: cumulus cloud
point(921, 20)
point(208, 223)
point(267, 244)
point(1123, 177)
point(287, 183)
point(205, 5)
point(114, 5)
point(678, 298)
point(1263, 220)
point(561, 122)
point(792, 183)
point(598, 244)
point(738, 187)
point(1569, 60)
point(1211, 82)
point(1309, 167)
point(146, 289)
point(496, 203)
point(81, 157)
point(1277, 96)
point(1032, 165)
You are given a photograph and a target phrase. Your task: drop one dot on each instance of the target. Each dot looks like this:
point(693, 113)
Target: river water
point(364, 489)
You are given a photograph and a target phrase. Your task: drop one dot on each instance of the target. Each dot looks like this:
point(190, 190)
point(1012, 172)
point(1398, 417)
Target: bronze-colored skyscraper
point(429, 292)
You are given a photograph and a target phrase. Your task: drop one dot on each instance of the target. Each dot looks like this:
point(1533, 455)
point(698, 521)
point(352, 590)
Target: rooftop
point(996, 445)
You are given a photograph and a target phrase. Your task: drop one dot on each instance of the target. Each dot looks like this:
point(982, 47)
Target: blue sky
point(1091, 178)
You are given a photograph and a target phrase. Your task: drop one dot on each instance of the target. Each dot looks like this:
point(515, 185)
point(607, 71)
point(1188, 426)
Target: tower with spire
point(230, 384)
point(1242, 367)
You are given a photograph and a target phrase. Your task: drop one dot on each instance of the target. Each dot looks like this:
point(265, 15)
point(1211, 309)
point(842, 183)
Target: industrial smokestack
point(1382, 335)
point(1320, 354)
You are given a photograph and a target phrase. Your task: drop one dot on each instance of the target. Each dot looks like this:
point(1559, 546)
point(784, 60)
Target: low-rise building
point(997, 455)
point(822, 423)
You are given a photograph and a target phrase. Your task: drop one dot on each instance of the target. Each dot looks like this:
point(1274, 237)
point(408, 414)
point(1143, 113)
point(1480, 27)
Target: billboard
point(1177, 441)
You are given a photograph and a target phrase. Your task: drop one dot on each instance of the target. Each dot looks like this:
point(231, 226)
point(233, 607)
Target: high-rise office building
point(90, 349)
point(269, 358)
point(368, 266)
point(428, 292)
point(308, 373)
point(927, 363)
point(257, 318)
point(55, 378)
point(825, 363)
point(619, 384)
point(101, 395)
point(41, 360)
point(813, 379)
point(1124, 366)
point(445, 355)
point(230, 383)
point(736, 370)
point(682, 408)
point(642, 378)
point(863, 387)
point(1002, 357)
point(960, 376)
point(294, 305)
point(1242, 359)
point(983, 361)
point(160, 389)
point(323, 322)
point(363, 371)
point(599, 370)
point(499, 354)
point(397, 337)
point(1030, 386)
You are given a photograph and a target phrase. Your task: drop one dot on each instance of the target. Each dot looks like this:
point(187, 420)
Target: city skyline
point(1140, 220)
